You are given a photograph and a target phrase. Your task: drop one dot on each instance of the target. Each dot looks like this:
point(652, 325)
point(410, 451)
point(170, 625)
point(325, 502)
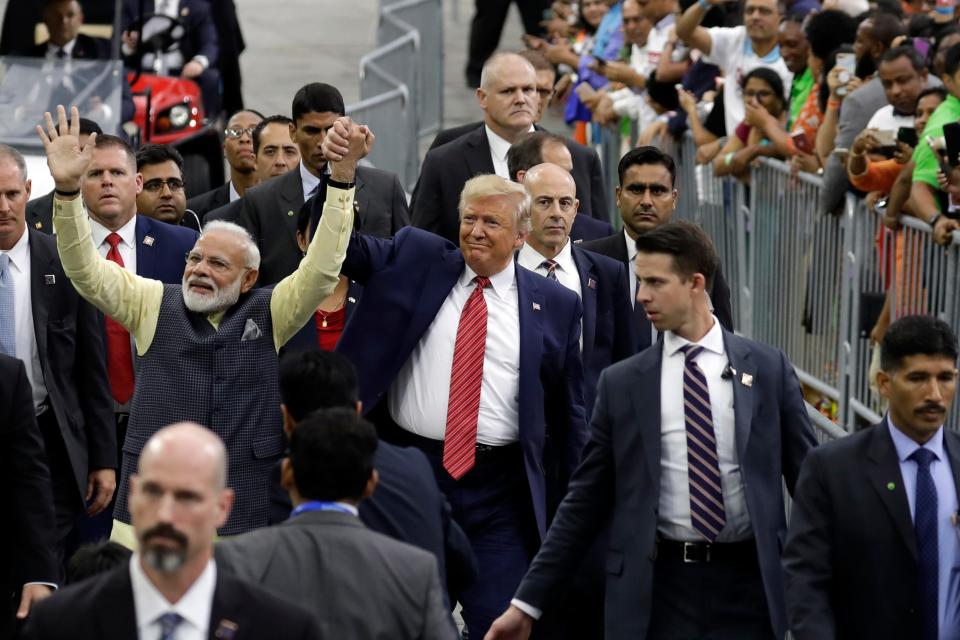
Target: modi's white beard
point(219, 300)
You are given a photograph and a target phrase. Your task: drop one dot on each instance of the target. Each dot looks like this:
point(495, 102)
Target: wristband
point(704, 4)
point(933, 221)
point(66, 194)
point(727, 159)
point(833, 104)
point(336, 184)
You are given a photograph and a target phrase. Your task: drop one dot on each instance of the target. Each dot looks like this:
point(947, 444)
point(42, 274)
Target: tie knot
point(4, 261)
point(691, 351)
point(113, 239)
point(168, 623)
point(923, 457)
point(549, 265)
point(482, 282)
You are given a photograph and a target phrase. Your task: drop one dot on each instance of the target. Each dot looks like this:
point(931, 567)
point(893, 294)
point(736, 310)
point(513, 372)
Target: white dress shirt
point(308, 180)
point(421, 391)
point(674, 522)
point(234, 194)
point(566, 271)
point(26, 340)
point(128, 242)
point(194, 607)
point(498, 152)
point(52, 50)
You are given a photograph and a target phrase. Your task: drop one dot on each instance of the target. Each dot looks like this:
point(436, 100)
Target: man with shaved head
point(171, 587)
point(508, 97)
point(601, 282)
point(208, 346)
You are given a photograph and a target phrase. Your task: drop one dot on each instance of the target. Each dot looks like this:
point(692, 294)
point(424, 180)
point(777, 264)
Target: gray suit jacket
point(857, 110)
point(619, 476)
point(269, 212)
point(359, 584)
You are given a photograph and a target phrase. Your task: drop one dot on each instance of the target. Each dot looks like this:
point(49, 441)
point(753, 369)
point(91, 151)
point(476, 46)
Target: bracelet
point(833, 104)
point(933, 221)
point(66, 194)
point(336, 184)
point(727, 159)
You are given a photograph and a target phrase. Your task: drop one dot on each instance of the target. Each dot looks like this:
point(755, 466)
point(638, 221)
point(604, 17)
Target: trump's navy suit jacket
point(608, 327)
point(406, 281)
point(620, 477)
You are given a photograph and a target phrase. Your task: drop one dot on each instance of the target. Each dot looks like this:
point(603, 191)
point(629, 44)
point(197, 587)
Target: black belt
point(435, 447)
point(706, 552)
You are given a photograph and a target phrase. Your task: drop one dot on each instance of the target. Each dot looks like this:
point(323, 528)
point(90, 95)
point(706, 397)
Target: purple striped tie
point(703, 466)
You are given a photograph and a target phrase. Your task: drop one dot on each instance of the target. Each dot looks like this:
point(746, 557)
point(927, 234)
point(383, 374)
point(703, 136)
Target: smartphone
point(939, 153)
point(802, 142)
point(951, 135)
point(908, 136)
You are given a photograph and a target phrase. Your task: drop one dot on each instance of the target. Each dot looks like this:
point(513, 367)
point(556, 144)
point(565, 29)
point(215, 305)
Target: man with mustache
point(646, 199)
point(213, 339)
point(172, 587)
point(873, 543)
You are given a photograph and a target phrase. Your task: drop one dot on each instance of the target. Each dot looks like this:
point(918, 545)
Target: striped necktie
point(168, 625)
point(551, 267)
point(466, 377)
point(703, 465)
point(8, 329)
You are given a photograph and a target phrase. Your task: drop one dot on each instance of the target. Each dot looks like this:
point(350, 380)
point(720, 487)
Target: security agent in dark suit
point(27, 562)
point(360, 584)
point(407, 505)
point(178, 499)
point(240, 156)
point(508, 97)
point(45, 323)
point(40, 210)
point(505, 461)
point(63, 19)
point(538, 147)
point(872, 550)
point(646, 199)
point(163, 197)
point(587, 171)
point(269, 211)
point(691, 444)
point(275, 154)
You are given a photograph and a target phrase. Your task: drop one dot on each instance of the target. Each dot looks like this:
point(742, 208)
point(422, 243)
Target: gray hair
point(250, 247)
point(487, 185)
point(493, 63)
point(9, 153)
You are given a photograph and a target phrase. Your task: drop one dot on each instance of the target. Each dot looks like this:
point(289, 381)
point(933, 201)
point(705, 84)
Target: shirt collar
point(195, 605)
point(67, 48)
point(631, 247)
point(713, 341)
point(530, 258)
point(234, 194)
point(127, 233)
point(498, 146)
point(19, 253)
point(666, 21)
point(501, 283)
point(309, 180)
point(905, 446)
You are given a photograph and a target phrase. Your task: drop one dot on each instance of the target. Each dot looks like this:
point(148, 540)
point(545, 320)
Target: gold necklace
point(323, 314)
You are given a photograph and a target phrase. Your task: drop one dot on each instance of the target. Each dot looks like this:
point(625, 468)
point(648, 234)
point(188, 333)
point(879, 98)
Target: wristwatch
point(933, 221)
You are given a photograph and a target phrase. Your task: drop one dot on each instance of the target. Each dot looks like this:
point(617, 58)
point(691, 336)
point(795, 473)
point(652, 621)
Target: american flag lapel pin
point(591, 283)
point(148, 240)
point(226, 630)
point(536, 306)
point(38, 224)
point(747, 380)
point(49, 279)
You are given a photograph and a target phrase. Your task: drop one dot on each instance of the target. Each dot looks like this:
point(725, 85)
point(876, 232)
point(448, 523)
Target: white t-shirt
point(644, 60)
point(886, 120)
point(732, 51)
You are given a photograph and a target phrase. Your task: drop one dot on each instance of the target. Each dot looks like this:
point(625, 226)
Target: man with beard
point(171, 588)
point(213, 339)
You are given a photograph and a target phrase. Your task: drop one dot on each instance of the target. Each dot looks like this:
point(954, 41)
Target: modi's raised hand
point(65, 158)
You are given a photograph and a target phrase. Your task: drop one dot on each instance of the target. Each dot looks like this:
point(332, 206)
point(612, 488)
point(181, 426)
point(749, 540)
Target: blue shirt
point(949, 534)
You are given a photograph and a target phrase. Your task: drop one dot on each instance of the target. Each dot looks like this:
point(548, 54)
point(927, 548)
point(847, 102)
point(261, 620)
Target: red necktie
point(466, 376)
point(119, 355)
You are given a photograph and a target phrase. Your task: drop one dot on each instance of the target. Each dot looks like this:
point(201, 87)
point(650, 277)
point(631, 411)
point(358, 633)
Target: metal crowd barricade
point(423, 19)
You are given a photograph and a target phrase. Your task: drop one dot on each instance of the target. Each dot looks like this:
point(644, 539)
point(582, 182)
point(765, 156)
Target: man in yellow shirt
point(206, 350)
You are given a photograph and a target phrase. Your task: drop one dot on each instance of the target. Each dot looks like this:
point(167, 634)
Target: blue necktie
point(928, 546)
point(168, 625)
point(8, 329)
point(707, 513)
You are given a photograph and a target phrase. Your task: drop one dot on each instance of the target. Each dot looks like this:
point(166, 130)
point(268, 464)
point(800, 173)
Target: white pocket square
point(251, 331)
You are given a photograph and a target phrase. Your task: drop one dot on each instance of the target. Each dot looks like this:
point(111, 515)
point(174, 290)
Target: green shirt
point(799, 91)
point(926, 165)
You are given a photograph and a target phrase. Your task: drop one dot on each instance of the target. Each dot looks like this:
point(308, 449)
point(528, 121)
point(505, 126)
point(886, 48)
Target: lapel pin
point(50, 279)
point(148, 240)
point(746, 380)
point(226, 630)
point(579, 241)
point(38, 224)
point(290, 214)
point(185, 12)
point(536, 306)
point(352, 300)
point(891, 486)
point(591, 283)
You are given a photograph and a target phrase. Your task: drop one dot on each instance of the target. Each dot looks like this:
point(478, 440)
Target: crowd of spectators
point(302, 405)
